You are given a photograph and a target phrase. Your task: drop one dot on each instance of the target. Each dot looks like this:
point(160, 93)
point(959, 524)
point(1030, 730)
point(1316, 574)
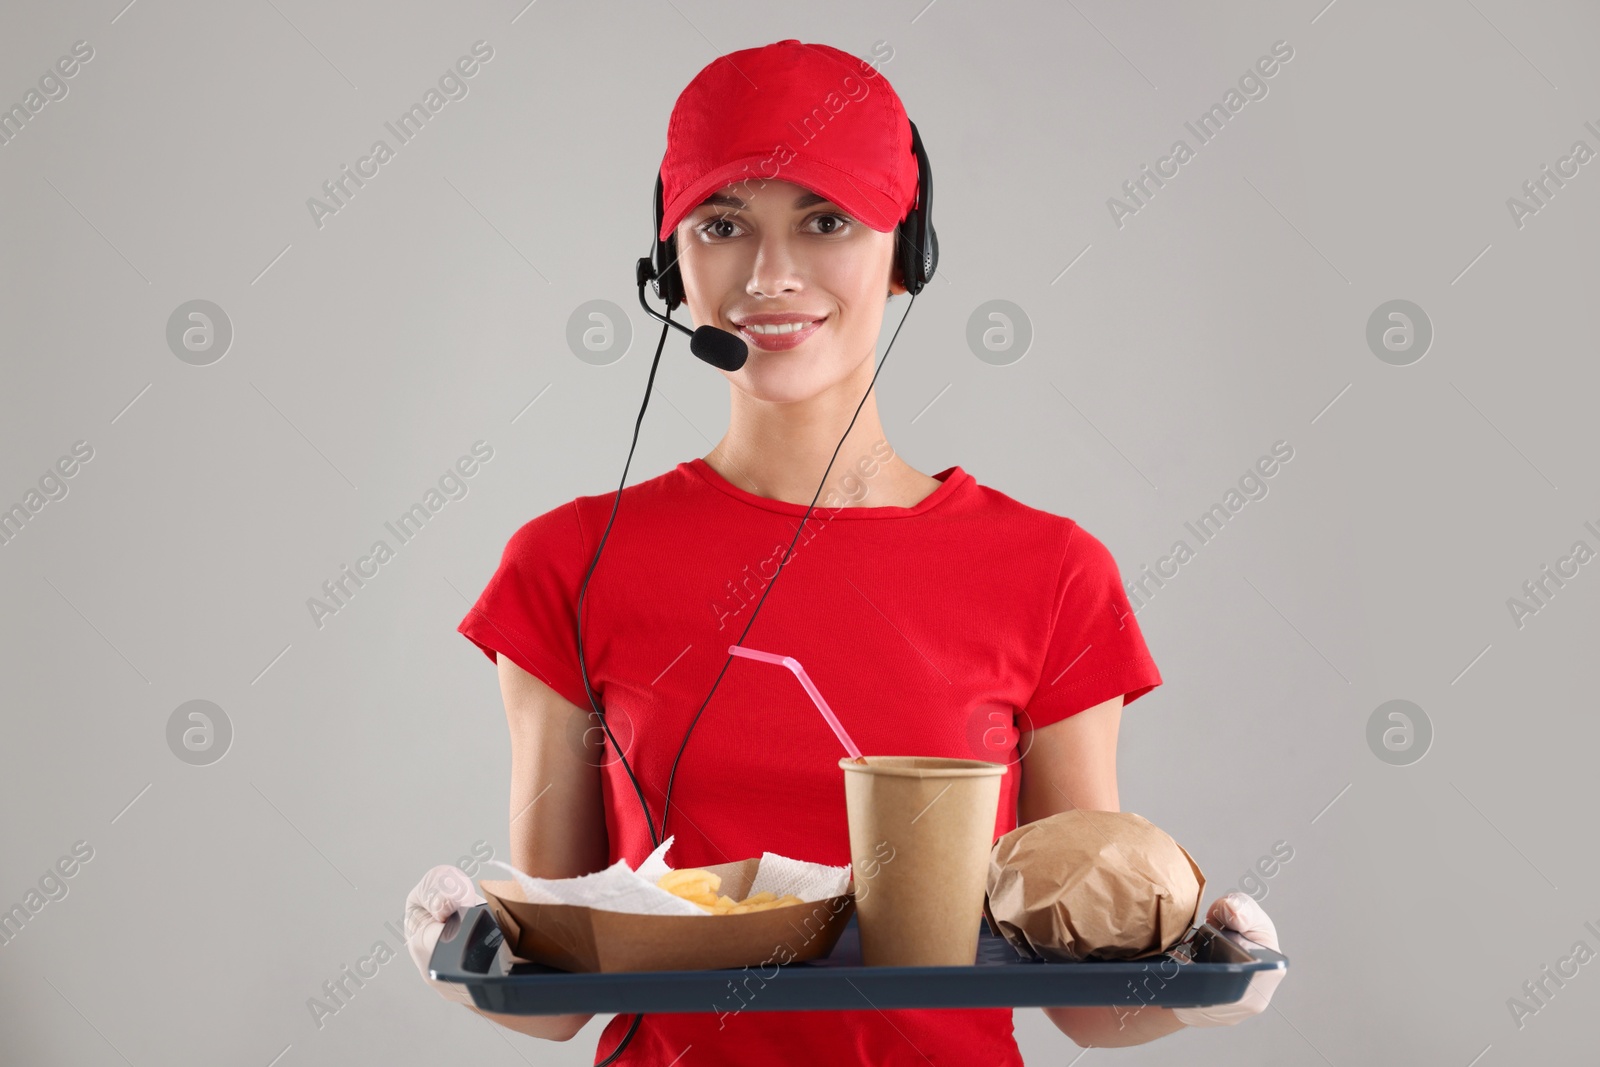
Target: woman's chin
point(802, 373)
point(772, 385)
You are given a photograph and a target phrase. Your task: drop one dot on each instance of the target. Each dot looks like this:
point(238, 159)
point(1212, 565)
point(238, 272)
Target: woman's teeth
point(787, 327)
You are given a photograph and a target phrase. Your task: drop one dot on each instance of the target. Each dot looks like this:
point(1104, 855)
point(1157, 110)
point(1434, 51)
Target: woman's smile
point(778, 332)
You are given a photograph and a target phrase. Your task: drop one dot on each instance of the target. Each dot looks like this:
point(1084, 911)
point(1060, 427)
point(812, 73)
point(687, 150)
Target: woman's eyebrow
point(723, 200)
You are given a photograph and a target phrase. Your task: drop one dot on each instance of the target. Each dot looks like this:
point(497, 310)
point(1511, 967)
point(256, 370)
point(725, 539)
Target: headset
point(916, 244)
point(916, 253)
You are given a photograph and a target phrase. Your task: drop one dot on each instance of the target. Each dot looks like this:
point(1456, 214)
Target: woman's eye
point(843, 223)
point(710, 226)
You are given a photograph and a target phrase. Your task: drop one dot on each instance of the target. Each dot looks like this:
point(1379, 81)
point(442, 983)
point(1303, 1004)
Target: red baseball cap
point(804, 113)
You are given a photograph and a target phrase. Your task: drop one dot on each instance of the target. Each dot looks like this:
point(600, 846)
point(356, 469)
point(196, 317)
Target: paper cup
point(920, 832)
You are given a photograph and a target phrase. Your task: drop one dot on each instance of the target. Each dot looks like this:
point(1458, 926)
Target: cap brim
point(870, 205)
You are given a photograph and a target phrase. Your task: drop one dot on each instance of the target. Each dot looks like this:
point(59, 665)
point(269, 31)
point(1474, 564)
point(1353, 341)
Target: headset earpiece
point(916, 243)
point(668, 281)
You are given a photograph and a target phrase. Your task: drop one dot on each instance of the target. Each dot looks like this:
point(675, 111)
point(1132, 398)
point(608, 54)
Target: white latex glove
point(1241, 912)
point(443, 891)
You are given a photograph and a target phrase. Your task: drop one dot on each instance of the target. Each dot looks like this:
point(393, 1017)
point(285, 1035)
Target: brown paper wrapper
point(1082, 885)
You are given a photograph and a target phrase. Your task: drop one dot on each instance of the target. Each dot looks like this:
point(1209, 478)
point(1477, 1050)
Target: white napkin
point(620, 888)
point(808, 881)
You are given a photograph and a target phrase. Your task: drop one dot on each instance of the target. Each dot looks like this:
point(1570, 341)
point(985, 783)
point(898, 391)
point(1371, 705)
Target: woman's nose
point(776, 268)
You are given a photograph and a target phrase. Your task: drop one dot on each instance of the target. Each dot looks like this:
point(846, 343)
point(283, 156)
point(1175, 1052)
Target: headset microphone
point(721, 349)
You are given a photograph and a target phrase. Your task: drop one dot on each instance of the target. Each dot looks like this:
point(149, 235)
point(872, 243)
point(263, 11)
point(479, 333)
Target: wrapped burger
point(1084, 884)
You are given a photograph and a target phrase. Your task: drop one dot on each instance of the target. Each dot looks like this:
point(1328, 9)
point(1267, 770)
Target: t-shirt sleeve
point(529, 608)
point(1095, 649)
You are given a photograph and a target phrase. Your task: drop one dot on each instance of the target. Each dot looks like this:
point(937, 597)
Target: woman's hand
point(1241, 912)
point(443, 891)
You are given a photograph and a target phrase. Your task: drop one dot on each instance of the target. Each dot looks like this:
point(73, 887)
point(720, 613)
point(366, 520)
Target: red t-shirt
point(939, 629)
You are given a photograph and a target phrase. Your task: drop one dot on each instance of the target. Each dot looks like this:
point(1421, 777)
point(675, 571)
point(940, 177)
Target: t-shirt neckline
point(952, 479)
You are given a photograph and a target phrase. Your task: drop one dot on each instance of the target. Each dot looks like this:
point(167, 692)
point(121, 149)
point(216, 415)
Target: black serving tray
point(1211, 966)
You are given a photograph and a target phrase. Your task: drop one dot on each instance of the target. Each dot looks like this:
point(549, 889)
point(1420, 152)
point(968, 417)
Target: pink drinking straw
point(816, 697)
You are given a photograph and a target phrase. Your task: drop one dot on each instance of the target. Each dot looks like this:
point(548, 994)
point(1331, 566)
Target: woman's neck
point(780, 450)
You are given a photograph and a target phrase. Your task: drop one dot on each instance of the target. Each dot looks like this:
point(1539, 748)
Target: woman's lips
point(779, 342)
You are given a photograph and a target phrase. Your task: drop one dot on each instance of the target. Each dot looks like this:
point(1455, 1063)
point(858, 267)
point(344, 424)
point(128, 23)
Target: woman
point(941, 617)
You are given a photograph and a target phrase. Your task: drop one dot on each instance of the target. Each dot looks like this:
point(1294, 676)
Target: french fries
point(699, 886)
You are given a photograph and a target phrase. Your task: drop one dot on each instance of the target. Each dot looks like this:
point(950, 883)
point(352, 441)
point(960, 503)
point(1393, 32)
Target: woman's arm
point(558, 824)
point(1068, 765)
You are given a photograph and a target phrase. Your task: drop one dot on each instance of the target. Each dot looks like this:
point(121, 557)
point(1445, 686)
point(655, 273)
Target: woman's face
point(753, 254)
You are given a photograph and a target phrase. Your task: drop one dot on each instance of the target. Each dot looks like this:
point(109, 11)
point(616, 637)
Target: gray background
point(369, 354)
